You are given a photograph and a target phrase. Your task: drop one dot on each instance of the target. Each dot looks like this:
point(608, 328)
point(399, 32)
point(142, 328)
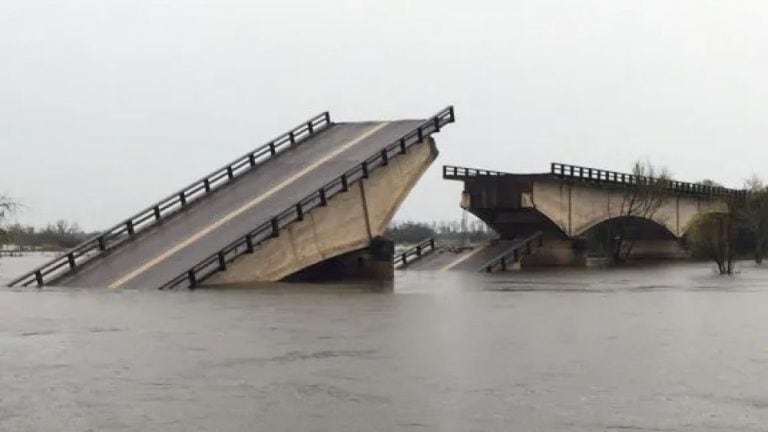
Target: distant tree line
point(61, 234)
point(409, 232)
point(56, 236)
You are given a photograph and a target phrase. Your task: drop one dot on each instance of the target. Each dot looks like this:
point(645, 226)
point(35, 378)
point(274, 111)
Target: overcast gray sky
point(106, 106)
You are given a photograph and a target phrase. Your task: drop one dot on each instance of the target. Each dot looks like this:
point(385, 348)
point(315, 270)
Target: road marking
point(151, 263)
point(462, 259)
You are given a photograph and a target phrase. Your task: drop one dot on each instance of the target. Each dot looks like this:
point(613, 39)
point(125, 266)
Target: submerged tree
point(711, 237)
point(641, 199)
point(751, 213)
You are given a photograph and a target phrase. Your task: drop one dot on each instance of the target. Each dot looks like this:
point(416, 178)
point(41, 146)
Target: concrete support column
point(371, 263)
point(657, 250)
point(557, 253)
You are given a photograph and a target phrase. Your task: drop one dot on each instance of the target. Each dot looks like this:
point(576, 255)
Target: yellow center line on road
point(228, 217)
point(462, 259)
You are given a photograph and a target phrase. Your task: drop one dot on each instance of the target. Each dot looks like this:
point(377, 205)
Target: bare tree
point(751, 213)
point(7, 207)
point(711, 237)
point(642, 199)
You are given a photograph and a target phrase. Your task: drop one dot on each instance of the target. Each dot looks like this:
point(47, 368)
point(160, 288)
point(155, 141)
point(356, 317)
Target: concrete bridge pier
point(373, 263)
point(557, 253)
point(666, 249)
point(573, 252)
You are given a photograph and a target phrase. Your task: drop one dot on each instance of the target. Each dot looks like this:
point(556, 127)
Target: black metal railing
point(574, 172)
point(451, 172)
point(415, 253)
point(245, 245)
point(74, 258)
point(514, 254)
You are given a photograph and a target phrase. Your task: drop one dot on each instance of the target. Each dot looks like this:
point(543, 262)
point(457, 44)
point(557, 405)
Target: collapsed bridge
point(314, 200)
point(565, 204)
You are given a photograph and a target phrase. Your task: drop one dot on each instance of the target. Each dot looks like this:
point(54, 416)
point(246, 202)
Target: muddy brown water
point(664, 348)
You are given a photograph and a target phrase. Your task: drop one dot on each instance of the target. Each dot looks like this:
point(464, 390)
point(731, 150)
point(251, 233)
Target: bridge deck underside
point(166, 250)
point(512, 223)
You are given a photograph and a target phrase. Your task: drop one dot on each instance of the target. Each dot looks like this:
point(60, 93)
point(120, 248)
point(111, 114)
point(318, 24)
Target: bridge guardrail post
point(344, 183)
point(248, 244)
point(323, 199)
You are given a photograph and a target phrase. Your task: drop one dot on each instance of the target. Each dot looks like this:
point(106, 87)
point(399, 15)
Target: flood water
point(669, 348)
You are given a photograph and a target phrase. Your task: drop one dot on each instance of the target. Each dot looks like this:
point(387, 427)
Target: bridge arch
point(638, 228)
point(645, 228)
point(578, 207)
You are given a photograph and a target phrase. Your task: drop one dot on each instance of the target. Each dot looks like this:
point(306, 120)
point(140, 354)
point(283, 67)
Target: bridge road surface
point(468, 260)
point(174, 246)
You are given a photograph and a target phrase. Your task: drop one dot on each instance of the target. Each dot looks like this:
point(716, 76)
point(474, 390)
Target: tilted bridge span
point(318, 197)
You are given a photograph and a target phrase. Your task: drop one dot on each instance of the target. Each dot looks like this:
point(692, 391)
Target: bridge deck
point(469, 259)
point(162, 252)
point(475, 261)
point(437, 260)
